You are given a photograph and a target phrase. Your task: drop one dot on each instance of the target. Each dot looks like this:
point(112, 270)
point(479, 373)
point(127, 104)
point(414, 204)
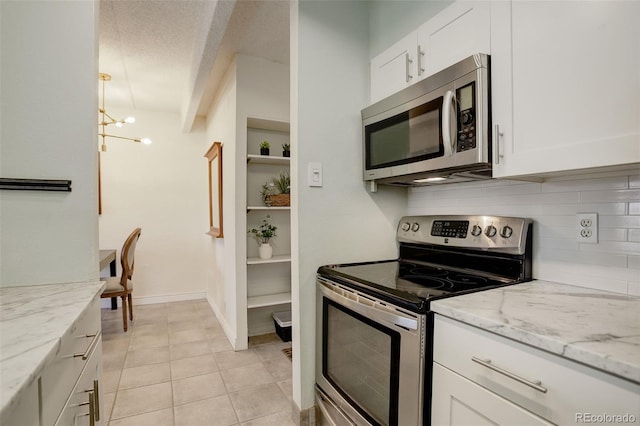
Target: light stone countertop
point(595, 328)
point(33, 319)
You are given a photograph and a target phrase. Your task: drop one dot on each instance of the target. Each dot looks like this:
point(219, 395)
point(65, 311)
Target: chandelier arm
point(103, 111)
point(107, 123)
point(105, 135)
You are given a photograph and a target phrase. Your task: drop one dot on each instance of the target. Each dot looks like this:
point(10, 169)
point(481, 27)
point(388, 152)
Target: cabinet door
point(456, 33)
point(458, 401)
point(394, 69)
point(565, 85)
point(25, 412)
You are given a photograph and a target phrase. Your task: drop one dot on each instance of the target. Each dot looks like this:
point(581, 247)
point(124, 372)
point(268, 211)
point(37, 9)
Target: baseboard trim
point(306, 417)
point(223, 323)
point(150, 300)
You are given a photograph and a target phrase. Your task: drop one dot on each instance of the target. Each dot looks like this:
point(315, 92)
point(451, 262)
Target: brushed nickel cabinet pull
point(487, 363)
point(408, 62)
point(420, 66)
point(496, 136)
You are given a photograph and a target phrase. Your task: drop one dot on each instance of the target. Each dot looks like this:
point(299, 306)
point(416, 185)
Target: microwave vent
point(452, 176)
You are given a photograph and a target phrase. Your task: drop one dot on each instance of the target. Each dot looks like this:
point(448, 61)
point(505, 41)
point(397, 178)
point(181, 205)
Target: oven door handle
point(371, 311)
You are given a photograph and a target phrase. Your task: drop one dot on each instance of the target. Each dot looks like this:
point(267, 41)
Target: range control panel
point(502, 233)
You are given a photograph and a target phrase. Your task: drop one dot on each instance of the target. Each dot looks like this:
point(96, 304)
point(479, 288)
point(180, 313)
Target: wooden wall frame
point(214, 155)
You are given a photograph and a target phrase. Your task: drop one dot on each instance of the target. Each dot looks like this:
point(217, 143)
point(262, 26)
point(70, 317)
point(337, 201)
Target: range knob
point(490, 231)
point(415, 227)
point(506, 231)
point(476, 230)
point(405, 226)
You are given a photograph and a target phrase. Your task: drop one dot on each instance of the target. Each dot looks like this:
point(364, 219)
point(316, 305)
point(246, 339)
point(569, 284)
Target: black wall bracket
point(35, 184)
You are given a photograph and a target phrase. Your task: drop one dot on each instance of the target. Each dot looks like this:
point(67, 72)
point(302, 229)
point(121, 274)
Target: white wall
point(162, 188)
point(341, 221)
point(612, 265)
point(221, 266)
point(48, 115)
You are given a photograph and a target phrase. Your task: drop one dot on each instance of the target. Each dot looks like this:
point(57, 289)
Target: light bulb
point(146, 141)
point(118, 123)
point(130, 120)
point(431, 179)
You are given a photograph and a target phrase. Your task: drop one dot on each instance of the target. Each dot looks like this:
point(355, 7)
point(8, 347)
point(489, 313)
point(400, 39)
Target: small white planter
point(265, 250)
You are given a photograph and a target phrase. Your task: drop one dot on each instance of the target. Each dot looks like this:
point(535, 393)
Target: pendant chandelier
point(107, 120)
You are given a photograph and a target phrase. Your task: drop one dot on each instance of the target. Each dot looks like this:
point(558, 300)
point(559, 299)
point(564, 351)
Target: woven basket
point(280, 200)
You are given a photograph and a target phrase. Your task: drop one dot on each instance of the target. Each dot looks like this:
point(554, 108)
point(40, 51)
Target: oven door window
point(411, 136)
point(360, 358)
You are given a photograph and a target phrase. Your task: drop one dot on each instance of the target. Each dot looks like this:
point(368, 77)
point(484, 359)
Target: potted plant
point(263, 235)
point(286, 150)
point(267, 190)
point(282, 189)
point(264, 148)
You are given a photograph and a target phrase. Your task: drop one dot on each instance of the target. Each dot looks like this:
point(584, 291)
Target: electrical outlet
point(587, 228)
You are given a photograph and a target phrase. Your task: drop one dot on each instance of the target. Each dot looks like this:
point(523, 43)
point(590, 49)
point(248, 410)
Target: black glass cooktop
point(410, 284)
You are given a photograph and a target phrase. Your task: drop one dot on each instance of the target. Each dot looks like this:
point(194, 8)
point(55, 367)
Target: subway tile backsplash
point(612, 265)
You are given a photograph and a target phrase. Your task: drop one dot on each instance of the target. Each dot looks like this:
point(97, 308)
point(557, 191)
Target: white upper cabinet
point(565, 85)
point(395, 68)
point(457, 32)
point(454, 34)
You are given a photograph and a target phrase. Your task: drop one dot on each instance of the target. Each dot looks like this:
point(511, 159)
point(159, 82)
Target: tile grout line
point(209, 334)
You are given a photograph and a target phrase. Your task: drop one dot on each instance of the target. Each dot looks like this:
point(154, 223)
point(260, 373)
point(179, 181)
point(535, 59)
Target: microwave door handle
point(447, 140)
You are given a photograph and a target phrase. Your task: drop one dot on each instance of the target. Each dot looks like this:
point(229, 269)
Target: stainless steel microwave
point(434, 131)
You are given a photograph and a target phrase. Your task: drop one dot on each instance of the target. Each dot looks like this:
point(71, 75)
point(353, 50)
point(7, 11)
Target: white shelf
point(266, 124)
point(249, 208)
point(268, 159)
point(268, 300)
point(282, 258)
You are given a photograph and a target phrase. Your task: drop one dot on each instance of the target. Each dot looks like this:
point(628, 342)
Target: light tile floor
point(175, 367)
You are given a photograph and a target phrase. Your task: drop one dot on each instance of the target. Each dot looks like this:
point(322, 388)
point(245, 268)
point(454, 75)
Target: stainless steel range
point(374, 325)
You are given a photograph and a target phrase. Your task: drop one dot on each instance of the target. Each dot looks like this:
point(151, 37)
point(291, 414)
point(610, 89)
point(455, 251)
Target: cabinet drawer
point(458, 401)
point(564, 391)
point(85, 402)
point(59, 377)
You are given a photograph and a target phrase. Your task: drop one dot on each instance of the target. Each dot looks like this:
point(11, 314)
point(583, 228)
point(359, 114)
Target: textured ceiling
point(170, 55)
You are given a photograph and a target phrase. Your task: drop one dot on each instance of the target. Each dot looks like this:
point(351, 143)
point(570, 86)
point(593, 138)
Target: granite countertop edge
point(595, 328)
point(33, 320)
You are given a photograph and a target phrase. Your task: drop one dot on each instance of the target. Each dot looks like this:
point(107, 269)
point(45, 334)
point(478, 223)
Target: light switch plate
point(315, 174)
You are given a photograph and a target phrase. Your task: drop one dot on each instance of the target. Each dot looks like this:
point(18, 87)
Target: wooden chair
point(123, 286)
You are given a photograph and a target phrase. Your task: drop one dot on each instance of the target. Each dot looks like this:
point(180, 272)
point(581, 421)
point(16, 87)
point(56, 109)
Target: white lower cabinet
point(84, 406)
point(59, 378)
point(67, 391)
point(459, 401)
point(483, 377)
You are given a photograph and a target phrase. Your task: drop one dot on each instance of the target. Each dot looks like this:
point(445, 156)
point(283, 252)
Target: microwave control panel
point(466, 117)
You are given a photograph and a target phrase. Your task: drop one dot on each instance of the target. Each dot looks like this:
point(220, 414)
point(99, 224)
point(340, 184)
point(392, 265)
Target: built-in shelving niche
point(268, 280)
